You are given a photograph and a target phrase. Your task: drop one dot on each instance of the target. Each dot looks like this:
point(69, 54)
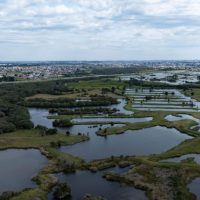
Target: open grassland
point(32, 139)
point(84, 89)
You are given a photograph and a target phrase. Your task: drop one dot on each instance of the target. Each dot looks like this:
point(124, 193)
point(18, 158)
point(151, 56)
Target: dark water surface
point(194, 187)
point(17, 168)
point(85, 182)
point(140, 142)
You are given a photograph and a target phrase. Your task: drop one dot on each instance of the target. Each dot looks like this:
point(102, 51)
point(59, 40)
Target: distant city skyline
point(53, 30)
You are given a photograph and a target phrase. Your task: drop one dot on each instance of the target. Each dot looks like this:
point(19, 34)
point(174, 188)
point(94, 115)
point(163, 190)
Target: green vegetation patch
point(33, 139)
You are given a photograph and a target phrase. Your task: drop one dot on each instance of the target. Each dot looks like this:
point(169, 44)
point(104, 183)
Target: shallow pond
point(85, 182)
point(121, 106)
point(161, 106)
point(179, 117)
point(157, 102)
point(139, 142)
point(171, 93)
point(152, 104)
point(177, 96)
point(18, 167)
point(162, 77)
point(116, 120)
point(161, 100)
point(166, 109)
point(39, 117)
point(184, 157)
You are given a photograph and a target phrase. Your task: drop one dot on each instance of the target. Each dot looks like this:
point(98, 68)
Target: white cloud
point(96, 25)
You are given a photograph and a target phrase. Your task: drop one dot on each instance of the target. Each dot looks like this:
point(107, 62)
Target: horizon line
point(125, 60)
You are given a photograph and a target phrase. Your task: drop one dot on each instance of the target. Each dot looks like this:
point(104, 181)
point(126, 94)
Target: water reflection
point(17, 167)
point(194, 187)
point(85, 182)
point(140, 142)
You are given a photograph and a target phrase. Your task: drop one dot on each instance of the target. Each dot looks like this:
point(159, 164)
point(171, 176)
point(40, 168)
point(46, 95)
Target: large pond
point(17, 168)
point(140, 142)
point(85, 182)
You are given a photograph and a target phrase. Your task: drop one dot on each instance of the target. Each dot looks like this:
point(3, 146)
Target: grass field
point(83, 90)
point(32, 139)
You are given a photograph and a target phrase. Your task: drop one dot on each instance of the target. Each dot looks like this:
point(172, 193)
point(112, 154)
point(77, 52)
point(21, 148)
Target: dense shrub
point(51, 131)
point(70, 103)
point(62, 192)
point(83, 111)
point(46, 131)
point(62, 123)
point(6, 126)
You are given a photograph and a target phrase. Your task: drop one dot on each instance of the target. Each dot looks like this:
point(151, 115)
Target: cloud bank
point(99, 29)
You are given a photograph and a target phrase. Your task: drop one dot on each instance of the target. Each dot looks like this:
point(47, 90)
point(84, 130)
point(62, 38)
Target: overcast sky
point(99, 29)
